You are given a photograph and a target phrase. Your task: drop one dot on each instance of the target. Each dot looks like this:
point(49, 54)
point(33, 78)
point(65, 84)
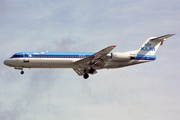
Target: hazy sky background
point(149, 91)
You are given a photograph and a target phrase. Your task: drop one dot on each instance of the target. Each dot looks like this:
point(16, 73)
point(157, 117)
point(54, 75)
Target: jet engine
point(117, 56)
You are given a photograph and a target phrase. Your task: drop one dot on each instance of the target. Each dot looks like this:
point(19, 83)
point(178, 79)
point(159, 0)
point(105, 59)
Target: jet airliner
point(87, 63)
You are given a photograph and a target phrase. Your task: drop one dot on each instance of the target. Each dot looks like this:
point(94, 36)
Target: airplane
point(87, 63)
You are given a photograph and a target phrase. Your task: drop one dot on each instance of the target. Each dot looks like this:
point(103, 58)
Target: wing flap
point(81, 71)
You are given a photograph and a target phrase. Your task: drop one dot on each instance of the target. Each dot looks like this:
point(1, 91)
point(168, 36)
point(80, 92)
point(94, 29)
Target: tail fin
point(151, 45)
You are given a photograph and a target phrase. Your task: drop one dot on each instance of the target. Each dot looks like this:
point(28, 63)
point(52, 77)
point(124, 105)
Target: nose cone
point(6, 62)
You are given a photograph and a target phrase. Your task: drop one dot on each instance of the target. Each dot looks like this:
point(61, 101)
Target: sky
point(145, 91)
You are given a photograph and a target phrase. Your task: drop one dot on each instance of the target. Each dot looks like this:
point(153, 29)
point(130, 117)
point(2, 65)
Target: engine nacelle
point(122, 56)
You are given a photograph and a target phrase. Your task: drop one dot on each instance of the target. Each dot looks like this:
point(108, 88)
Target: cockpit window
point(16, 56)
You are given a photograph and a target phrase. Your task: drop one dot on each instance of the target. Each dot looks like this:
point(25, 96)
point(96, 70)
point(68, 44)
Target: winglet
point(113, 45)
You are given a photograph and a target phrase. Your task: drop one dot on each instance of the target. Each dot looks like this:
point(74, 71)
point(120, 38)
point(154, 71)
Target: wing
point(97, 60)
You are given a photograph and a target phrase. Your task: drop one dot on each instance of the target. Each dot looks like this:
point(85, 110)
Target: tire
point(86, 76)
point(22, 72)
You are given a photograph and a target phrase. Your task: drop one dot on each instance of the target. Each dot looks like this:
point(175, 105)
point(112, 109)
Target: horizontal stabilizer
point(164, 37)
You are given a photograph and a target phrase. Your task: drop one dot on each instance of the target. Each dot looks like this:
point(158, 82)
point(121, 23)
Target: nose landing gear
point(22, 72)
point(20, 68)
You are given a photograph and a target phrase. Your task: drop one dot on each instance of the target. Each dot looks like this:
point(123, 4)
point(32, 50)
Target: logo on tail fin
point(147, 47)
point(147, 44)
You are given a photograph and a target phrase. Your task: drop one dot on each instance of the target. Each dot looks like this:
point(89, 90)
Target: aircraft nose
point(6, 62)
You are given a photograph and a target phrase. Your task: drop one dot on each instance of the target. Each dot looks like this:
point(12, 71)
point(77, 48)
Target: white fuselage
point(81, 63)
point(63, 63)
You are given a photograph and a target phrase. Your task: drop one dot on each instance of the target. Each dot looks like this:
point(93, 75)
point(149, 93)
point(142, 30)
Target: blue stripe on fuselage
point(70, 55)
point(51, 55)
point(144, 57)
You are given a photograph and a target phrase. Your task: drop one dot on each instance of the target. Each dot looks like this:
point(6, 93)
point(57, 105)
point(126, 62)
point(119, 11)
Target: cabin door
point(26, 57)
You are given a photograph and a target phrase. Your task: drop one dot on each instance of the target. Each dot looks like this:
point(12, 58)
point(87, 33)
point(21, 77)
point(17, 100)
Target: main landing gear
point(86, 76)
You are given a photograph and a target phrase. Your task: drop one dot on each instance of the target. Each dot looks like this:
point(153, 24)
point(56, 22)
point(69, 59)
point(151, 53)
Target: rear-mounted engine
point(122, 56)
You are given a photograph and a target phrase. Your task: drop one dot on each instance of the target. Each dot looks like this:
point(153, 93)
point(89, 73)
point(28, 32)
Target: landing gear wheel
point(22, 72)
point(91, 70)
point(86, 76)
